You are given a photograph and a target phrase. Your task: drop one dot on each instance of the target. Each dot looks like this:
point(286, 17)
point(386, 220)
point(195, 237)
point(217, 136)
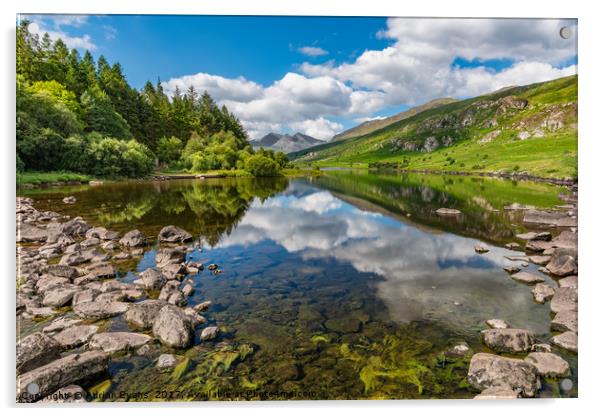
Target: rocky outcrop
point(508, 339)
point(491, 371)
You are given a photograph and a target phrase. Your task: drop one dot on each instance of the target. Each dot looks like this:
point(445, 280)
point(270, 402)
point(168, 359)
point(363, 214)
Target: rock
point(152, 279)
point(526, 277)
point(173, 234)
point(133, 238)
point(75, 336)
point(112, 342)
point(170, 255)
point(177, 298)
point(87, 295)
point(565, 321)
point(58, 297)
point(512, 246)
point(448, 212)
point(566, 340)
point(36, 350)
point(76, 227)
point(102, 233)
point(538, 246)
point(203, 306)
point(69, 394)
point(187, 290)
point(488, 370)
point(169, 289)
point(343, 325)
point(497, 324)
point(562, 264)
point(73, 259)
point(59, 324)
point(542, 348)
point(430, 144)
point(480, 249)
point(142, 315)
point(458, 351)
point(173, 271)
point(71, 369)
point(569, 281)
point(67, 272)
point(90, 242)
point(539, 260)
point(195, 318)
point(564, 299)
point(46, 283)
point(100, 310)
point(511, 269)
point(166, 361)
point(545, 218)
point(542, 293)
point(69, 200)
point(209, 333)
point(508, 339)
point(566, 240)
point(173, 327)
point(212, 266)
point(543, 236)
point(497, 393)
point(27, 233)
point(101, 271)
point(548, 364)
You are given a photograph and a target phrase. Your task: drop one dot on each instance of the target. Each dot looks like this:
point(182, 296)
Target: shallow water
point(344, 286)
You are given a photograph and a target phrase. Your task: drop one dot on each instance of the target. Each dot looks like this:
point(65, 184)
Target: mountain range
point(285, 142)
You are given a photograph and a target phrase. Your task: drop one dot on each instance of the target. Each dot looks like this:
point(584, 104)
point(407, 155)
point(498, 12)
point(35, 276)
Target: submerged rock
point(71, 369)
point(489, 371)
point(548, 364)
point(508, 339)
point(36, 350)
point(210, 332)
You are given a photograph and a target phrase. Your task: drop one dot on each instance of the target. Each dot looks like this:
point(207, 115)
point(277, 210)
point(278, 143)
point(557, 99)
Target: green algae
point(180, 369)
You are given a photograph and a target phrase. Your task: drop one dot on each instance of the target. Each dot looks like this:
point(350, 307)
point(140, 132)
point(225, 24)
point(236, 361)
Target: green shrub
point(259, 165)
point(169, 149)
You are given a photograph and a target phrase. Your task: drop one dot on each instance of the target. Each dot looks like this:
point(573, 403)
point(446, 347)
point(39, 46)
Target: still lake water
point(345, 286)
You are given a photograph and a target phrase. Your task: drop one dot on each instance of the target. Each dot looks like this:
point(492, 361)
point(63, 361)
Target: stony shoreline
point(75, 295)
point(518, 362)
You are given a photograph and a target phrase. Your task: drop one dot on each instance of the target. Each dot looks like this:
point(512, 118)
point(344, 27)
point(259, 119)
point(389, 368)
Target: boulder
point(203, 306)
point(59, 296)
point(480, 249)
point(564, 299)
point(62, 271)
point(548, 218)
point(151, 279)
point(569, 281)
point(36, 350)
point(169, 289)
point(458, 351)
point(562, 264)
point(508, 339)
point(100, 310)
point(170, 255)
point(543, 236)
point(173, 327)
point(69, 200)
point(566, 340)
point(448, 212)
point(90, 242)
point(209, 333)
point(542, 292)
point(133, 238)
point(142, 315)
point(565, 321)
point(497, 324)
point(512, 269)
point(548, 364)
point(59, 324)
point(112, 342)
point(102, 233)
point(75, 227)
point(526, 277)
point(512, 246)
point(173, 234)
point(86, 295)
point(488, 371)
point(27, 233)
point(71, 369)
point(539, 260)
point(75, 336)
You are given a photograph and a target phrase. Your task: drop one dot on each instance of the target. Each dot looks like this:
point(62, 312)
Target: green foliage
point(100, 116)
point(259, 165)
point(169, 149)
point(57, 93)
point(113, 157)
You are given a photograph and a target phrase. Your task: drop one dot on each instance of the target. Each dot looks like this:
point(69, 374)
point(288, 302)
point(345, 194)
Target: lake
point(341, 286)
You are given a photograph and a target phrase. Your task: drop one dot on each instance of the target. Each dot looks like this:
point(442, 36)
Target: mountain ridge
point(285, 142)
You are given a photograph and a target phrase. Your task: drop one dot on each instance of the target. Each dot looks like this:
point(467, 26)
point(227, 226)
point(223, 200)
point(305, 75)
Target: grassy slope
point(554, 155)
point(41, 178)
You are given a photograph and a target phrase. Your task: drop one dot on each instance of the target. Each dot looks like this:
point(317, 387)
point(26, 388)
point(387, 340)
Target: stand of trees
point(80, 115)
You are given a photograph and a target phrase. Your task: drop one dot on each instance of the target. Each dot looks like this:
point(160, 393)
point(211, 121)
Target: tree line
point(81, 115)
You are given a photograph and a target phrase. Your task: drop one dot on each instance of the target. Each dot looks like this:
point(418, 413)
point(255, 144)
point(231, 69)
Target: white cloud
point(53, 25)
point(416, 67)
point(366, 119)
point(319, 128)
point(312, 51)
point(110, 32)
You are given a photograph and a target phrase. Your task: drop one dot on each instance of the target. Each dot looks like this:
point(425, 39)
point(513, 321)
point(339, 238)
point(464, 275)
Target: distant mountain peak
point(285, 142)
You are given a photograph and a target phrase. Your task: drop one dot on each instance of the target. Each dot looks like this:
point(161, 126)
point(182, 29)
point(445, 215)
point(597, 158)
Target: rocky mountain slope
point(373, 125)
point(285, 142)
point(528, 129)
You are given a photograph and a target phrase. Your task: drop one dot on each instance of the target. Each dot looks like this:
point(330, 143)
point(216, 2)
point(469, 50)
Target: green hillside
point(529, 129)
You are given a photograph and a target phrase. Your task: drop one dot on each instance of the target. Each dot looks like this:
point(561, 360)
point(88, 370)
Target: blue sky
point(320, 75)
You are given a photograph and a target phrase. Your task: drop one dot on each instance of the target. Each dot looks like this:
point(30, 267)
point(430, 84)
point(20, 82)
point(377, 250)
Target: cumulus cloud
point(53, 25)
point(312, 51)
point(418, 65)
